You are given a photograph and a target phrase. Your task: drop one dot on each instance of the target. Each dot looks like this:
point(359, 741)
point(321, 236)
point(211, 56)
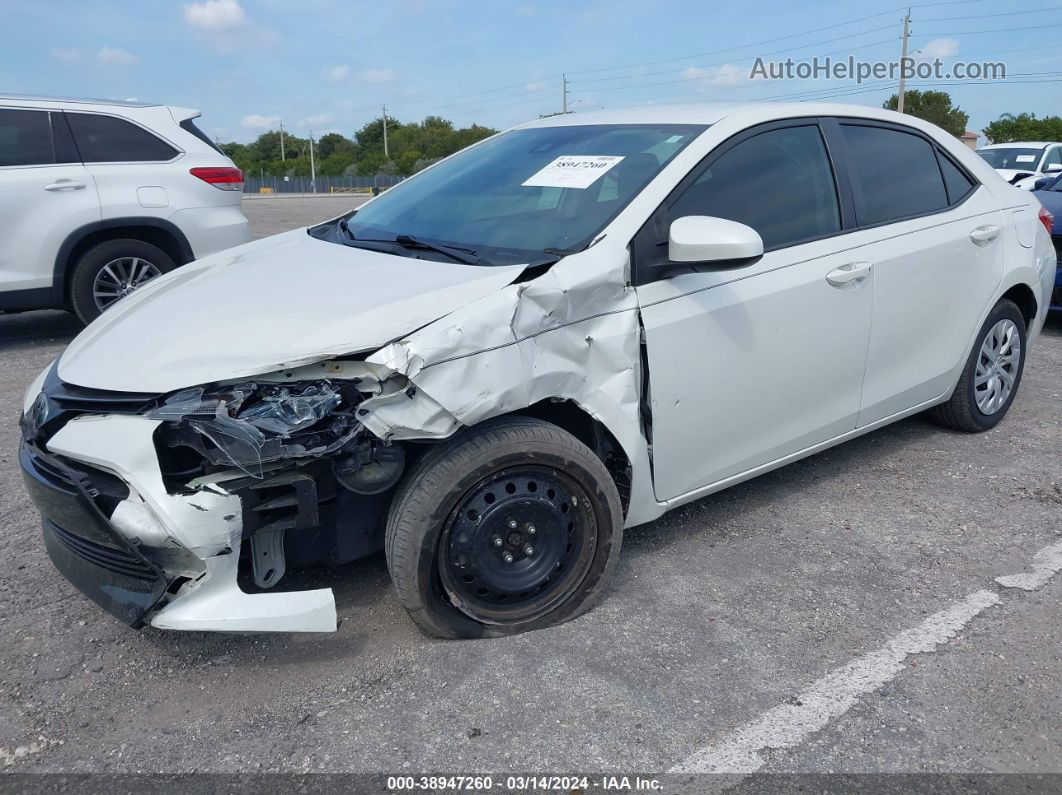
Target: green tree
point(1024, 127)
point(934, 107)
point(410, 145)
point(333, 144)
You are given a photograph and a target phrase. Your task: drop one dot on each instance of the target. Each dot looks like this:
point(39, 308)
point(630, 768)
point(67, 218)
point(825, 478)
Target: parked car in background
point(98, 198)
point(1050, 195)
point(1022, 162)
point(495, 367)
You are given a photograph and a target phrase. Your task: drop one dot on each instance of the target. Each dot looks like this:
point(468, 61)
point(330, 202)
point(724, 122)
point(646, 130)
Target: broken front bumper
point(142, 553)
point(83, 545)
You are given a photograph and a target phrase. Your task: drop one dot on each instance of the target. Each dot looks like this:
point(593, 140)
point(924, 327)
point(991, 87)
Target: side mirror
point(705, 240)
point(1043, 182)
point(1054, 168)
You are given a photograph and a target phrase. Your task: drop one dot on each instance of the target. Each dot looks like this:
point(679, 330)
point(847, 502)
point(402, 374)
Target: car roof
point(708, 113)
point(129, 103)
point(1025, 144)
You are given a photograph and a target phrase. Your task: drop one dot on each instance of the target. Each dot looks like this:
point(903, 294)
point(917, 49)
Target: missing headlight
point(251, 425)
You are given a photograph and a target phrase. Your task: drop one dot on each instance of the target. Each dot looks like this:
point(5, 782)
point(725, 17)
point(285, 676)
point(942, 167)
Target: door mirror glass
point(704, 240)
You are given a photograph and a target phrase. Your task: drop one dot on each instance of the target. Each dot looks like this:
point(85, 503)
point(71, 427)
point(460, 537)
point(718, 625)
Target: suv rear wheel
point(111, 270)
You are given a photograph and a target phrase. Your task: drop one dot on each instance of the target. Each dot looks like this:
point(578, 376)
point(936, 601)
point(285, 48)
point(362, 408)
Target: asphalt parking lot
point(841, 614)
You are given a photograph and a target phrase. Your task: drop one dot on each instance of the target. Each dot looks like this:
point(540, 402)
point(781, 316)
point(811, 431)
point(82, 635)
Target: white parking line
point(1046, 564)
point(788, 725)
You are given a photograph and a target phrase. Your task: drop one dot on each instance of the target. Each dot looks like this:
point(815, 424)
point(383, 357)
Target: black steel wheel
point(511, 526)
point(517, 544)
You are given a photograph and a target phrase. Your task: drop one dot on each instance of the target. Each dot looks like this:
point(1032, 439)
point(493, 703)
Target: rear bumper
point(1056, 293)
point(213, 229)
point(82, 543)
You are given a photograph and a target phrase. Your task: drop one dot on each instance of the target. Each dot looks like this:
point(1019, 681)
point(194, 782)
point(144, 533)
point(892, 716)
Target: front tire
point(992, 374)
point(110, 270)
point(511, 526)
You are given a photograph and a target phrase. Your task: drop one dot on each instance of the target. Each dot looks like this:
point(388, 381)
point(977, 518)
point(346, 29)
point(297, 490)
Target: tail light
point(224, 178)
point(1046, 219)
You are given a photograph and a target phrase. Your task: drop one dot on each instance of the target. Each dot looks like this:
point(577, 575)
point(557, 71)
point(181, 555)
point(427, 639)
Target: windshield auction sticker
point(573, 171)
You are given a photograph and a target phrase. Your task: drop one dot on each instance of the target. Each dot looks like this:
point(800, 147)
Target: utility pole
point(903, 59)
point(282, 141)
point(313, 168)
point(564, 93)
point(386, 155)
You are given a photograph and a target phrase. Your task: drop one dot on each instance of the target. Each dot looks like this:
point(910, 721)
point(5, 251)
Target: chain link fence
point(268, 184)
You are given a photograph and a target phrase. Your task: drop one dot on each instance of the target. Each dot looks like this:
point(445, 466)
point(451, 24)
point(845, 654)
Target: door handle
point(983, 235)
point(64, 184)
point(852, 274)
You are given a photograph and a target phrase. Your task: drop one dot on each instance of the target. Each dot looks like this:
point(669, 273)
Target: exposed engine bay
point(297, 456)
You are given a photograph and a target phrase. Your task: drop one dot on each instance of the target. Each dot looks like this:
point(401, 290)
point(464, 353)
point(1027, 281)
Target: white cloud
point(65, 54)
point(116, 56)
point(316, 121)
point(377, 75)
point(938, 48)
point(215, 14)
point(726, 76)
point(342, 71)
point(256, 122)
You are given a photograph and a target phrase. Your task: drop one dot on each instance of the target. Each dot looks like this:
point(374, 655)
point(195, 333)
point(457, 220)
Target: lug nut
point(512, 524)
point(497, 541)
point(508, 557)
point(531, 529)
point(529, 550)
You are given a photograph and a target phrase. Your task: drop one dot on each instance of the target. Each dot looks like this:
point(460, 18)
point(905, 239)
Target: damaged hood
point(279, 302)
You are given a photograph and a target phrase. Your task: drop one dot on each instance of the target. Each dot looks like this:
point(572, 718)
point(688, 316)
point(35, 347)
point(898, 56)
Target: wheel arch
point(156, 231)
point(573, 418)
point(1023, 295)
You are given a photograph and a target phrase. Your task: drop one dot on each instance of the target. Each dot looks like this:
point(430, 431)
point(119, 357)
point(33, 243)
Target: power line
point(722, 63)
point(695, 78)
point(780, 38)
point(1000, 14)
point(993, 30)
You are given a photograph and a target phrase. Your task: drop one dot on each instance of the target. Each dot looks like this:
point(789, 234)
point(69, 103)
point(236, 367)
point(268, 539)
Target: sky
point(330, 65)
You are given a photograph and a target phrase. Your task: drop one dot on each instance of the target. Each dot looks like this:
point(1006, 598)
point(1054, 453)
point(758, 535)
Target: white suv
point(97, 198)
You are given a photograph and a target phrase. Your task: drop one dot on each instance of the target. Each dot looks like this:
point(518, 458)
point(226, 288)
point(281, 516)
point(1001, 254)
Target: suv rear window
point(107, 139)
point(190, 126)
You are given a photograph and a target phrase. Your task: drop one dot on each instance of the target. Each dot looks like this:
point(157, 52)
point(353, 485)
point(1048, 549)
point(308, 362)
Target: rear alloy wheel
point(511, 526)
point(992, 373)
point(119, 277)
point(112, 270)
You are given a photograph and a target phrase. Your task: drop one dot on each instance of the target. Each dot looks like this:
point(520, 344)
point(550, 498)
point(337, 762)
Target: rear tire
point(141, 261)
point(988, 382)
point(527, 484)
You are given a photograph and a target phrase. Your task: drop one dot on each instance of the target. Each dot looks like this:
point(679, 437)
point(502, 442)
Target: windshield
point(522, 196)
point(1016, 157)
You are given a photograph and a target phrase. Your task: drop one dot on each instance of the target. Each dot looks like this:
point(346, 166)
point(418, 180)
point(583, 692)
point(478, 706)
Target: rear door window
point(955, 179)
point(25, 138)
point(108, 139)
point(895, 172)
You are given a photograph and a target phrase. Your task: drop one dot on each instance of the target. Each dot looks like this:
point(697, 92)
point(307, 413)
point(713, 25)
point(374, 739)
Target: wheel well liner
point(156, 231)
point(1025, 298)
point(570, 416)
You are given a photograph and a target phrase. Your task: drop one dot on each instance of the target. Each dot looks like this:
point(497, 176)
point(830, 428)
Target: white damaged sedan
point(494, 368)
